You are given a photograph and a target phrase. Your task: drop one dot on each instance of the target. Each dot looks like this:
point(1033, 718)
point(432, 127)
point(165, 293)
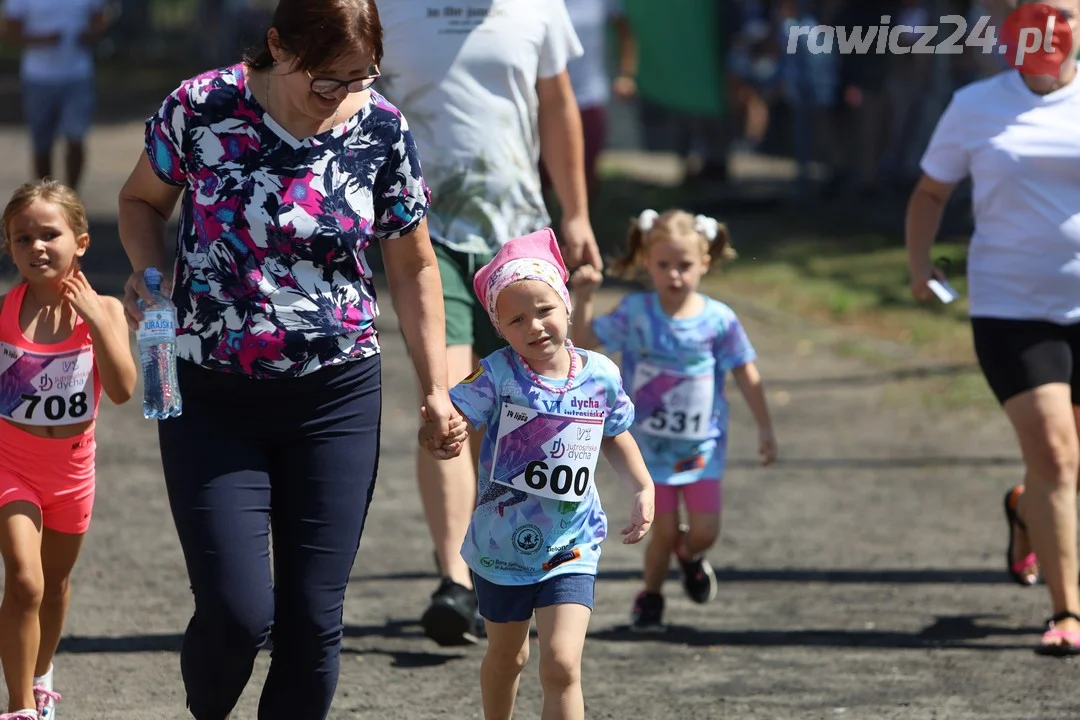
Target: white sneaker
point(46, 702)
point(44, 696)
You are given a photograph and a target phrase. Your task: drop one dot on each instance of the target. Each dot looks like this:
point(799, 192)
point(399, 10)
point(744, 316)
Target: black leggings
point(298, 455)
point(1020, 355)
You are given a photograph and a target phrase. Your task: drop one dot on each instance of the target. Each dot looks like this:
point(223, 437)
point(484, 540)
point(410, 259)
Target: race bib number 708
point(46, 388)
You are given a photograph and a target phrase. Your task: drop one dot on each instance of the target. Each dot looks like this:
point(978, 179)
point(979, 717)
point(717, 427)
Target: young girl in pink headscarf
point(547, 410)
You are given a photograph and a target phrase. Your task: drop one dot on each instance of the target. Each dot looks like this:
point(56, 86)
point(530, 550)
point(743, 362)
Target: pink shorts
point(702, 496)
point(55, 474)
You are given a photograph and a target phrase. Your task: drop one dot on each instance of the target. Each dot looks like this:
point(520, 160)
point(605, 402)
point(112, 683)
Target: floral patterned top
point(271, 278)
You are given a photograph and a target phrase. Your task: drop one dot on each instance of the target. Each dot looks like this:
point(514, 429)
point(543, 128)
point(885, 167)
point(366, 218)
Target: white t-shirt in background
point(588, 73)
point(464, 76)
point(1022, 151)
point(66, 61)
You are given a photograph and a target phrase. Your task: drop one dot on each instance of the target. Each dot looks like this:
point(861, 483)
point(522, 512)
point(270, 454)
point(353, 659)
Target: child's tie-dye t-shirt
point(675, 369)
point(538, 514)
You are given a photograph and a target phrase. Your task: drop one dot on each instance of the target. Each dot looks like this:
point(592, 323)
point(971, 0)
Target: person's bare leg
point(702, 535)
point(74, 162)
point(1046, 426)
point(663, 539)
point(757, 118)
point(20, 630)
point(448, 487)
point(59, 552)
point(1022, 548)
point(42, 165)
point(500, 671)
point(561, 630)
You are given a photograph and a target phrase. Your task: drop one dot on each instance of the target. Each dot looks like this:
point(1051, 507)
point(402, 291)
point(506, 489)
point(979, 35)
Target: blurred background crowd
point(704, 79)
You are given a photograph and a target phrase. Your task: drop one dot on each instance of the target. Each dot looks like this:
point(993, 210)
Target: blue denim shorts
point(63, 109)
point(515, 603)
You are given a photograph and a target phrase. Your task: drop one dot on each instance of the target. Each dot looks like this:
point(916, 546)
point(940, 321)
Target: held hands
point(82, 297)
point(766, 446)
point(641, 516)
point(585, 280)
point(579, 243)
point(135, 288)
point(444, 431)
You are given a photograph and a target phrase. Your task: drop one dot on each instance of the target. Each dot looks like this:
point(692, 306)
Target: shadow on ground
point(173, 642)
point(836, 576)
point(958, 632)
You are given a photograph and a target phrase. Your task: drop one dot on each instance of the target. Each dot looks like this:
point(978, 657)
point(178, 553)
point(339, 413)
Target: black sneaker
point(451, 617)
point(699, 580)
point(648, 612)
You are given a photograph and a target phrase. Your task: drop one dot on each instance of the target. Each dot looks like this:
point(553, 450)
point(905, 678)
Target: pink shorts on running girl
point(702, 496)
point(54, 474)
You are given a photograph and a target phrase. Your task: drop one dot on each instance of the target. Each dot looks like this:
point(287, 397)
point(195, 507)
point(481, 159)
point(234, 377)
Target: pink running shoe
point(46, 701)
point(20, 715)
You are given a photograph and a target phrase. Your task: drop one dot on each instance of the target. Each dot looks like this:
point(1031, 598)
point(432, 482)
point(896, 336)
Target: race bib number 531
point(552, 456)
point(671, 404)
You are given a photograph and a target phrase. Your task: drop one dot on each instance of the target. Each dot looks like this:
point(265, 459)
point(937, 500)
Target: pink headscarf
point(532, 257)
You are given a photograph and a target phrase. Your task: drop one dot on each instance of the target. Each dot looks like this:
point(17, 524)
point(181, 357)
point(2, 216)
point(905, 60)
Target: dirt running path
point(861, 576)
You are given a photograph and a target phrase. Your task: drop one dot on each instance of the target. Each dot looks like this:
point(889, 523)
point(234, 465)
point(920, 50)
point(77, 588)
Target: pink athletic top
point(48, 385)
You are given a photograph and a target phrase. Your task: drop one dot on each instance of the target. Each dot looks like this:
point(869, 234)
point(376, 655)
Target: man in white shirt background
point(57, 74)
point(484, 88)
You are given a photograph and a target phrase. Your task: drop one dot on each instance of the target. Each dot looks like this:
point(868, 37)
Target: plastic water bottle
point(157, 348)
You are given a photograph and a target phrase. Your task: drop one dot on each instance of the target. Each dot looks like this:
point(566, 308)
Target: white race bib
point(47, 388)
point(553, 456)
point(671, 404)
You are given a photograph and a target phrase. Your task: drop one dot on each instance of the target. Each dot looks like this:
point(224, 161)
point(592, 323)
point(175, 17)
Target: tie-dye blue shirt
point(675, 369)
point(518, 537)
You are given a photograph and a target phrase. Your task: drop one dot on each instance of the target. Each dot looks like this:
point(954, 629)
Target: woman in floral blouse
point(289, 165)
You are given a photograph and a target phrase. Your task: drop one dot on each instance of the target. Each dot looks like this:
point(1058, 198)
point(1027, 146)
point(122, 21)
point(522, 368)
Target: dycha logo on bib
point(1037, 39)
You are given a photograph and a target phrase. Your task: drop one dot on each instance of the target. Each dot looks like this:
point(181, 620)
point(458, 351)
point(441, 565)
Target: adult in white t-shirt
point(57, 74)
point(1016, 136)
point(485, 88)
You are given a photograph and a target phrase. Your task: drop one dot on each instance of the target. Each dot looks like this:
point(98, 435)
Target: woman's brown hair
point(320, 31)
point(650, 226)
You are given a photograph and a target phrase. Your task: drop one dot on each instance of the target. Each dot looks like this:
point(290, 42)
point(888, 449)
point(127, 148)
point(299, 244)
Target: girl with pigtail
point(677, 346)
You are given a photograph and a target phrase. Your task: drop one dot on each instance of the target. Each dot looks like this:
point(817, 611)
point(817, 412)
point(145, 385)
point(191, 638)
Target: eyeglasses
point(329, 86)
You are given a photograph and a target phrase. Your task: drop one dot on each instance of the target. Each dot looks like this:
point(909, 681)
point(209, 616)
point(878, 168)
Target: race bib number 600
point(552, 456)
point(673, 405)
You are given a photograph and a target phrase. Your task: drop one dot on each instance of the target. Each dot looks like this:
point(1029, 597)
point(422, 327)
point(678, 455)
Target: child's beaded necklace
point(569, 375)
